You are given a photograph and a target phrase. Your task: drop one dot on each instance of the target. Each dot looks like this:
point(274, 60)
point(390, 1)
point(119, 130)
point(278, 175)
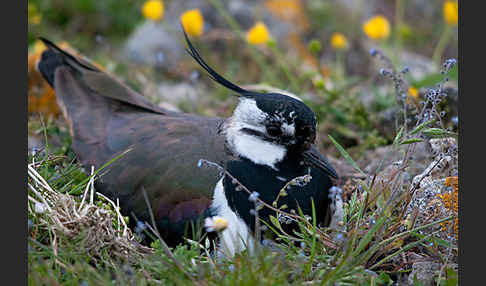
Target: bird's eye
point(274, 130)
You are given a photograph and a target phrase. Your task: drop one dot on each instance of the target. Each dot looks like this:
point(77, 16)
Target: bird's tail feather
point(55, 57)
point(88, 79)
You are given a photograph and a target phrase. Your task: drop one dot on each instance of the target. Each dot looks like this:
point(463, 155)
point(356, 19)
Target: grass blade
point(346, 155)
point(421, 126)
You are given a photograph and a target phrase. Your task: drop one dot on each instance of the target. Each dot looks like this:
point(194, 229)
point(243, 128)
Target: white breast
point(236, 237)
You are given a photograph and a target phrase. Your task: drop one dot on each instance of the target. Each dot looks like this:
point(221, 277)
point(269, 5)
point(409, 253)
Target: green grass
point(56, 258)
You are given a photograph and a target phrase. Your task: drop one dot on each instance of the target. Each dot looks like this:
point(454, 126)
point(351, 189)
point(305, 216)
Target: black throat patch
point(268, 183)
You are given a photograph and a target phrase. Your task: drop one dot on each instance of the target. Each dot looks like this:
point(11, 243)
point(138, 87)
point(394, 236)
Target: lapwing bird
point(267, 142)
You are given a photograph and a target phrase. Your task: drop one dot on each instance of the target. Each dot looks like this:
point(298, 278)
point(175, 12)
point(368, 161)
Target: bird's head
point(267, 128)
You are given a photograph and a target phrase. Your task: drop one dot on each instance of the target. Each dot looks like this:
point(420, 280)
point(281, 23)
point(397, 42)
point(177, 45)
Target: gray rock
point(425, 272)
point(382, 158)
point(172, 95)
point(179, 92)
point(431, 182)
point(34, 143)
point(402, 280)
point(152, 44)
point(419, 65)
point(337, 219)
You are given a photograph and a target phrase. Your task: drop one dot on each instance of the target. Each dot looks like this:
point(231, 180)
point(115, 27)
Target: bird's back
point(106, 118)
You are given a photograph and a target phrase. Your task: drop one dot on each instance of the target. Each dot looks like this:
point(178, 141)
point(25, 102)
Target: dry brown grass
point(100, 227)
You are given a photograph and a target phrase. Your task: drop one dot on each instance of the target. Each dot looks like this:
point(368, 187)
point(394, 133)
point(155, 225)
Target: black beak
point(316, 159)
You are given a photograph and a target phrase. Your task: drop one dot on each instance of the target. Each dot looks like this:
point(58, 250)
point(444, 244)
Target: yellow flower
point(258, 34)
point(39, 47)
point(413, 92)
point(36, 19)
point(339, 41)
point(377, 27)
point(413, 95)
point(193, 22)
point(153, 10)
point(450, 10)
point(215, 223)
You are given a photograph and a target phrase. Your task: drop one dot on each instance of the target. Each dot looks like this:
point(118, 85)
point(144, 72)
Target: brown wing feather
point(106, 118)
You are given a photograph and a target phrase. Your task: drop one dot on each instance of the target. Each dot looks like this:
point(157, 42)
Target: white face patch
point(247, 111)
point(236, 237)
point(248, 115)
point(258, 151)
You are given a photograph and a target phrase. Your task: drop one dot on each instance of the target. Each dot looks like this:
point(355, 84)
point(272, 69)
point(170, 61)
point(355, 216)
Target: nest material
point(94, 226)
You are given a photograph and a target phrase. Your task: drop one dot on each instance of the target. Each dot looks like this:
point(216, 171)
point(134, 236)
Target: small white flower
point(335, 190)
point(215, 223)
point(140, 227)
point(39, 208)
point(253, 197)
point(455, 120)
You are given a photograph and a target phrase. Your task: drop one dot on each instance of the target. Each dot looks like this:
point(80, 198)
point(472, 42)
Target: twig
point(117, 216)
point(86, 191)
point(91, 182)
point(39, 195)
point(37, 177)
point(117, 210)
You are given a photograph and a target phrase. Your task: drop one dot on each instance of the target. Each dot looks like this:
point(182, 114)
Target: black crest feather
point(212, 73)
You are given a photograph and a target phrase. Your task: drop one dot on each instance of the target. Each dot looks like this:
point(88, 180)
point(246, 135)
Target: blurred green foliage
point(113, 18)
